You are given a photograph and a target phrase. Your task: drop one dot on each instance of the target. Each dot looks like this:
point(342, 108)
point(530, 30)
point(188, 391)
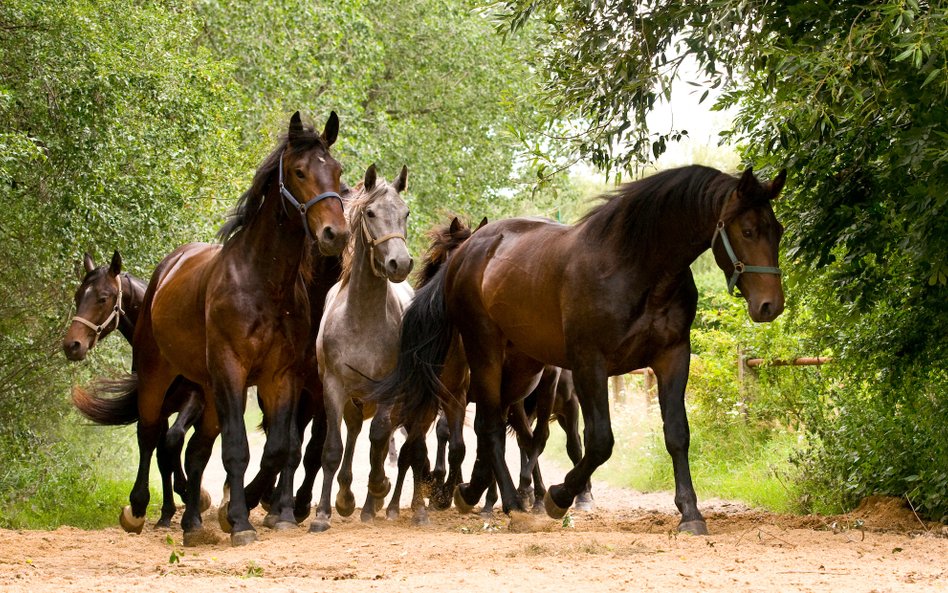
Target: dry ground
point(628, 544)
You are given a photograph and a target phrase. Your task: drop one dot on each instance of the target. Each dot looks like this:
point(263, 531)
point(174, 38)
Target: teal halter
point(739, 266)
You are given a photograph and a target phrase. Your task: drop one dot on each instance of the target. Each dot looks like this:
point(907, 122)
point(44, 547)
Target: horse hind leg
point(311, 465)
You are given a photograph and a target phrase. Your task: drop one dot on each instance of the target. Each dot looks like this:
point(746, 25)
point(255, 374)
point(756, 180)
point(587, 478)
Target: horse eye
point(299, 173)
point(370, 214)
point(101, 300)
point(747, 233)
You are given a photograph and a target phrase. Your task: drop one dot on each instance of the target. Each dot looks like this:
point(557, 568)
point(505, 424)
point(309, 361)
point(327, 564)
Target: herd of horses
point(305, 297)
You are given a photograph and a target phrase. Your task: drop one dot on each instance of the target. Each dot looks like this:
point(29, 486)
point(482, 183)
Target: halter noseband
point(739, 266)
point(302, 208)
point(373, 243)
point(116, 314)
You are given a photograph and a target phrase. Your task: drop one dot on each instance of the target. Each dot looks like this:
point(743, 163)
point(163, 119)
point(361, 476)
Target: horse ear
point(483, 222)
point(87, 262)
point(455, 226)
point(368, 181)
point(331, 131)
point(777, 184)
point(115, 268)
point(746, 184)
point(296, 125)
point(402, 180)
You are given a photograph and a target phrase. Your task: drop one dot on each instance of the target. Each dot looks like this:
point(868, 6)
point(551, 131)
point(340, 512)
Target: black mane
point(250, 202)
point(636, 218)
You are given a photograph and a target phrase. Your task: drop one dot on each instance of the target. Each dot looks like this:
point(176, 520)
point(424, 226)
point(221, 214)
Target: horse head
point(380, 215)
point(310, 180)
point(746, 243)
point(98, 307)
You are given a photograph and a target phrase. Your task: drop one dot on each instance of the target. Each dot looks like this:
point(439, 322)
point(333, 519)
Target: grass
point(81, 477)
point(737, 462)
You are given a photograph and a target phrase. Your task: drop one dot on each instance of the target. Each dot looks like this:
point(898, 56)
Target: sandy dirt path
point(628, 544)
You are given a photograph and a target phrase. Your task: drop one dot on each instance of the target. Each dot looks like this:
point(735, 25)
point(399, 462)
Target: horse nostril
point(392, 265)
point(765, 310)
point(411, 264)
point(329, 235)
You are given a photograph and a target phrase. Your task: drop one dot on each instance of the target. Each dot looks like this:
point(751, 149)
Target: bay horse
point(233, 315)
point(610, 294)
point(358, 334)
point(108, 298)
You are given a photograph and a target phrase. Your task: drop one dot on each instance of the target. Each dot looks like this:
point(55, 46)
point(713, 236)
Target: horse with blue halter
point(108, 298)
point(233, 315)
point(603, 297)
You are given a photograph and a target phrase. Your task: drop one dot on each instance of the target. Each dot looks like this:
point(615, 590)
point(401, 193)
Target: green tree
point(851, 98)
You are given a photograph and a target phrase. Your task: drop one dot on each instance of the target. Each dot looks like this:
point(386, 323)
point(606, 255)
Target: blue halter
point(739, 266)
point(302, 208)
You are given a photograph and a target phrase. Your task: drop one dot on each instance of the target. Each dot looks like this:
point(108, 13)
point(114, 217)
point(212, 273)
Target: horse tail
point(414, 388)
point(110, 411)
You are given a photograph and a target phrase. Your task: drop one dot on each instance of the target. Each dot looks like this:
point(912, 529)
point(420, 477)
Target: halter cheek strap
point(739, 266)
point(303, 207)
point(373, 243)
point(116, 314)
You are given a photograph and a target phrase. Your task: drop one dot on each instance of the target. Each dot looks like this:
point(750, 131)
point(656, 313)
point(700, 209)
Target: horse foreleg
point(671, 371)
point(568, 419)
point(380, 435)
point(311, 464)
point(332, 452)
point(345, 499)
point(404, 464)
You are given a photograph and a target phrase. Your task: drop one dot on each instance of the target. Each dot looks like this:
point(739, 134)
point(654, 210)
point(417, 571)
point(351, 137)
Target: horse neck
point(133, 293)
point(369, 290)
point(271, 247)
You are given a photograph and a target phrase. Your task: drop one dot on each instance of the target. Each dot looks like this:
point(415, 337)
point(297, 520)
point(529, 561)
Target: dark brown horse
point(603, 297)
point(105, 299)
point(231, 316)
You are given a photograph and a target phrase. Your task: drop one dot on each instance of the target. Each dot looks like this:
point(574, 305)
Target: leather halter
point(373, 243)
point(116, 314)
point(739, 266)
point(303, 207)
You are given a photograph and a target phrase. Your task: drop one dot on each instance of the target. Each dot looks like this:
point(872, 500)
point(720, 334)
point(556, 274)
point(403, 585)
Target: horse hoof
point(163, 523)
point(319, 526)
point(420, 518)
point(242, 538)
point(285, 526)
point(553, 510)
point(460, 503)
point(392, 514)
point(301, 514)
point(345, 504)
point(585, 502)
point(200, 537)
point(222, 517)
point(129, 522)
point(696, 527)
point(205, 500)
point(271, 520)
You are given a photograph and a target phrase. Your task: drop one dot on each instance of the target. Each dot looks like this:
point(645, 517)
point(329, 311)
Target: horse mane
point(249, 204)
point(443, 242)
point(634, 219)
point(355, 210)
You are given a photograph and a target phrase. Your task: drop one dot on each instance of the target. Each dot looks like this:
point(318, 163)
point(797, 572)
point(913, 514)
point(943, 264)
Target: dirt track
point(628, 543)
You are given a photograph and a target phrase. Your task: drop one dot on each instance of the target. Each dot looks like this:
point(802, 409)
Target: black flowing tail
point(111, 411)
point(414, 388)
